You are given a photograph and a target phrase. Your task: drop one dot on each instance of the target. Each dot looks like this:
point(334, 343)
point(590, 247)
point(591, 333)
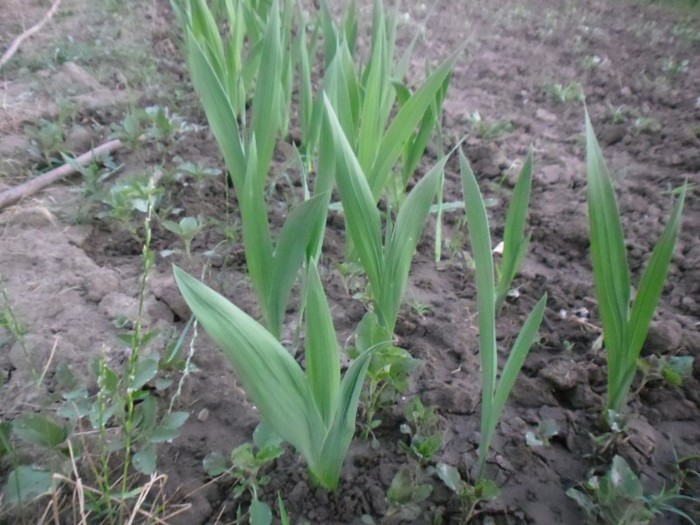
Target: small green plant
point(246, 466)
point(411, 485)
point(422, 429)
point(487, 129)
point(470, 495)
point(314, 410)
point(572, 92)
point(671, 369)
point(47, 141)
point(673, 67)
point(542, 435)
point(186, 229)
point(387, 378)
point(128, 202)
point(625, 324)
point(495, 390)
point(617, 498)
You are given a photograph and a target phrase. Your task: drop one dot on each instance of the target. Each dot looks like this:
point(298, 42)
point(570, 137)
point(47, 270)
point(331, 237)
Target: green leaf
point(146, 369)
point(5, 445)
point(40, 430)
point(450, 477)
point(480, 239)
point(215, 464)
point(405, 123)
point(322, 352)
point(361, 214)
point(25, 484)
point(260, 513)
point(298, 239)
point(145, 459)
point(610, 268)
point(169, 427)
point(335, 447)
point(403, 242)
point(515, 242)
point(268, 372)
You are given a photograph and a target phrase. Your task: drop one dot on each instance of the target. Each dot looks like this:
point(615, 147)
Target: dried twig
point(29, 32)
point(30, 187)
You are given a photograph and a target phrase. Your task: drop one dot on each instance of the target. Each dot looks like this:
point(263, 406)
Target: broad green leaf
point(215, 464)
point(260, 513)
point(256, 231)
point(169, 427)
point(40, 430)
point(265, 120)
point(25, 484)
point(322, 352)
point(267, 371)
point(652, 281)
point(145, 459)
point(517, 356)
point(450, 477)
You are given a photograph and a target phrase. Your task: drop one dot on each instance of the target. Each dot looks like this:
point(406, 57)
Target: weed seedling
point(470, 495)
point(572, 92)
point(412, 486)
point(246, 466)
point(617, 498)
point(186, 229)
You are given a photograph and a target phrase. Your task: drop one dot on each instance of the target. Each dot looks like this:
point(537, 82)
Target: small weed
point(47, 142)
point(671, 369)
point(246, 466)
point(572, 92)
point(674, 68)
point(617, 498)
point(470, 495)
point(648, 125)
point(186, 229)
point(387, 378)
point(542, 435)
point(593, 61)
point(422, 427)
point(489, 130)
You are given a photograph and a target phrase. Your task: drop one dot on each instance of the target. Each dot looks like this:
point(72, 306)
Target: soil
point(637, 64)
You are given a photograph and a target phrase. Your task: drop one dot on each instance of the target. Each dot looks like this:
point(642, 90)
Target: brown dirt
point(68, 283)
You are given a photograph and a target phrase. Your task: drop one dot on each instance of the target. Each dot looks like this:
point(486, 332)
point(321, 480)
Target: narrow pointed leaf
point(322, 352)
point(220, 112)
point(268, 372)
point(300, 231)
point(404, 125)
point(515, 242)
point(362, 216)
point(608, 255)
point(338, 440)
point(404, 240)
point(480, 239)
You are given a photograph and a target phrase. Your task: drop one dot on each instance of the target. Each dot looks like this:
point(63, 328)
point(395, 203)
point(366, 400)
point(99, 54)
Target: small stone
point(545, 116)
point(663, 336)
point(564, 374)
point(203, 415)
